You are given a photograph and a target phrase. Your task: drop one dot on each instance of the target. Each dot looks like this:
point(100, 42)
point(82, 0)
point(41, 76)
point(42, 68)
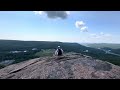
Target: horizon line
point(63, 42)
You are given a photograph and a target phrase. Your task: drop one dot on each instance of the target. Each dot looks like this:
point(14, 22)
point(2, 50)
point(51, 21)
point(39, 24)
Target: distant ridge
point(13, 45)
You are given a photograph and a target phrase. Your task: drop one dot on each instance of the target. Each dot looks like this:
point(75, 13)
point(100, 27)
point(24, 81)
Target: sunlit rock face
point(68, 66)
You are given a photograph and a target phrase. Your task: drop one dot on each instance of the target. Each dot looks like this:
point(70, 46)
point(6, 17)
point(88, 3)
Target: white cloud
point(68, 12)
point(54, 14)
point(81, 26)
point(98, 38)
point(93, 35)
point(84, 29)
point(108, 35)
point(101, 35)
point(38, 12)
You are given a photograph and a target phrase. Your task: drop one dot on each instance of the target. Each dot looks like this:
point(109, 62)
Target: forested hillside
point(24, 50)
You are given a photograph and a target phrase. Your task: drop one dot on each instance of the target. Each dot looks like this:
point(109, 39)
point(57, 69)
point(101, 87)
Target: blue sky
point(64, 26)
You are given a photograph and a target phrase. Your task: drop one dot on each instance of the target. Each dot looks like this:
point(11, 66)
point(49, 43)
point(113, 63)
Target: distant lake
point(7, 62)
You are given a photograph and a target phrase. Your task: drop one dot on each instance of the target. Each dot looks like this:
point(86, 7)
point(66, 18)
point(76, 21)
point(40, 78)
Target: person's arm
point(56, 52)
point(62, 50)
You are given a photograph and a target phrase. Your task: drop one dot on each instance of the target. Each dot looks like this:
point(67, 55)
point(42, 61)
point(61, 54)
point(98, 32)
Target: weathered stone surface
point(69, 66)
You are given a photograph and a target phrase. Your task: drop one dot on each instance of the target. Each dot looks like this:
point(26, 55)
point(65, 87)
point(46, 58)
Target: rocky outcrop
point(69, 66)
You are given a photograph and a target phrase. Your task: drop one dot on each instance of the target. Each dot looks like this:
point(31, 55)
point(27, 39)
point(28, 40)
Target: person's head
point(58, 46)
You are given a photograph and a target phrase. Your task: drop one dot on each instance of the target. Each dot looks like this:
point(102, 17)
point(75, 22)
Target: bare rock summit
point(69, 66)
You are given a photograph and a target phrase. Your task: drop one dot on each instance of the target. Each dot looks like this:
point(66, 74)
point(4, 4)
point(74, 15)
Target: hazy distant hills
point(103, 45)
point(107, 46)
point(15, 45)
point(6, 45)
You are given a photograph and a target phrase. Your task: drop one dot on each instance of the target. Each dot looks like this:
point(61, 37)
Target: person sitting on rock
point(59, 51)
